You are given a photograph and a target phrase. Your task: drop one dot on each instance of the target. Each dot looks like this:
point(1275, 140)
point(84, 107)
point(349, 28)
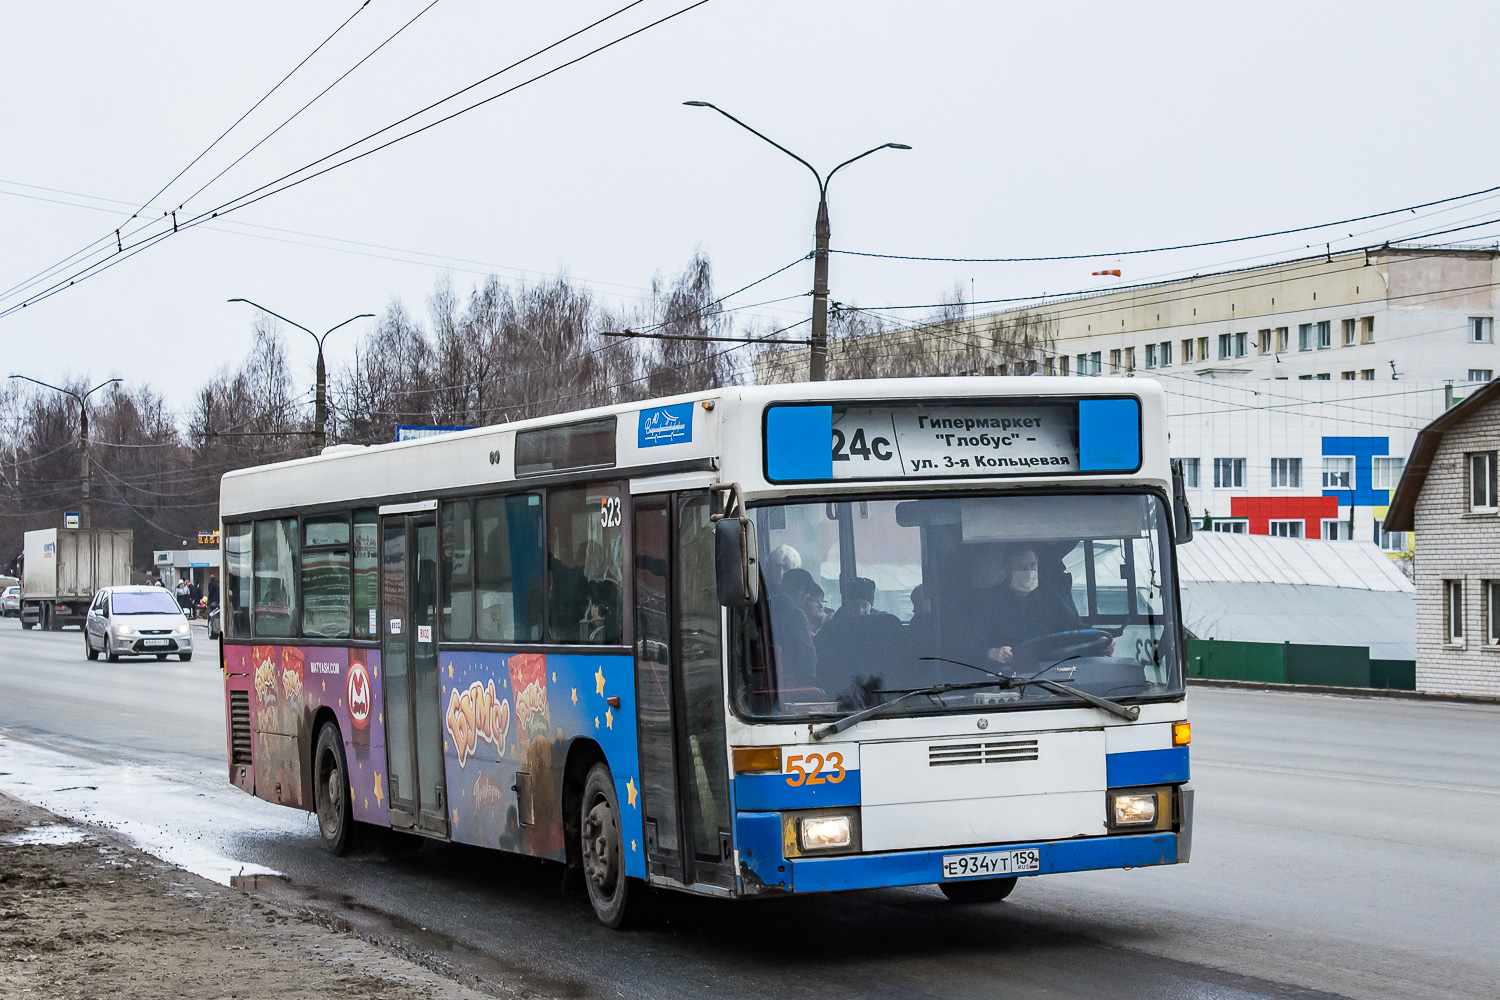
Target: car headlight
point(1137, 809)
point(182, 629)
point(825, 833)
point(124, 630)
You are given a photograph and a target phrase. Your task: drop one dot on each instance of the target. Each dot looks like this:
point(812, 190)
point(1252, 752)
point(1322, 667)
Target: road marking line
point(1436, 785)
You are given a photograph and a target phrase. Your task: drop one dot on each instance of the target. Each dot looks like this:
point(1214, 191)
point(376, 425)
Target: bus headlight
point(826, 833)
point(1134, 809)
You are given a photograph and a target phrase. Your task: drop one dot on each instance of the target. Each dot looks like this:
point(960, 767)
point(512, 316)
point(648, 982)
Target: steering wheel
point(1066, 644)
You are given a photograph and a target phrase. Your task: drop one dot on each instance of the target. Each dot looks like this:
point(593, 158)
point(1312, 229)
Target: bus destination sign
point(910, 440)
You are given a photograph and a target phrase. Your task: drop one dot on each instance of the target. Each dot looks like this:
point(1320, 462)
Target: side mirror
point(736, 562)
point(1182, 517)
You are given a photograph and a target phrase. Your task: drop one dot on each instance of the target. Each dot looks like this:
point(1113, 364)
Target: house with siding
point(1448, 495)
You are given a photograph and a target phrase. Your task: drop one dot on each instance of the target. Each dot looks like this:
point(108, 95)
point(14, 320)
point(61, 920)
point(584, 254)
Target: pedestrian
point(213, 591)
point(185, 597)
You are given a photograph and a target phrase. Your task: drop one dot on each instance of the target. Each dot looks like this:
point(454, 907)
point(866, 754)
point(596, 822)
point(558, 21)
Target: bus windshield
point(868, 599)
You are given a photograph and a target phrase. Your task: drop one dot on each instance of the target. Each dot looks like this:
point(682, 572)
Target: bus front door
point(679, 692)
point(412, 689)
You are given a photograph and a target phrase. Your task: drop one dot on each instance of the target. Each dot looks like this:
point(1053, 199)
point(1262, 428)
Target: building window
point(1367, 330)
point(1335, 529)
point(1240, 340)
point(1191, 472)
point(1263, 342)
point(1229, 473)
point(1481, 329)
point(1390, 541)
point(1312, 336)
point(1338, 473)
point(1286, 529)
point(1481, 374)
point(1346, 376)
point(1051, 366)
point(1062, 365)
point(1492, 613)
point(1325, 377)
point(1283, 338)
point(1385, 472)
point(1305, 337)
point(1114, 361)
point(1165, 353)
point(1232, 527)
point(1349, 327)
point(1150, 355)
point(1187, 351)
point(1202, 348)
point(1224, 347)
point(1094, 363)
point(1286, 473)
point(1325, 334)
point(1130, 359)
point(1083, 364)
point(1482, 482)
point(1453, 612)
point(1367, 375)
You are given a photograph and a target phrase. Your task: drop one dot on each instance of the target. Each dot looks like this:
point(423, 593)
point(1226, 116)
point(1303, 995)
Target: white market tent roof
point(1256, 588)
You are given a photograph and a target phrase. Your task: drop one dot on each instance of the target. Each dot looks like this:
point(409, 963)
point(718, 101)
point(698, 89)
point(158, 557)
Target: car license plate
point(992, 864)
point(157, 642)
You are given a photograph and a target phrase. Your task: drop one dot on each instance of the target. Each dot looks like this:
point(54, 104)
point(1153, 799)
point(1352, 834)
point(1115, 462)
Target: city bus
point(746, 642)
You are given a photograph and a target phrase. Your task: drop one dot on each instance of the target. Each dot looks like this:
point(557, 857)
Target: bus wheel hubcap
point(601, 852)
point(333, 791)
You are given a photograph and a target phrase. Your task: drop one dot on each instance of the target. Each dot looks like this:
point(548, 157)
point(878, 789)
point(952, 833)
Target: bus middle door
point(679, 692)
point(412, 688)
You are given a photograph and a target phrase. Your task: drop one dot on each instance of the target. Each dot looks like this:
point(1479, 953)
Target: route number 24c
point(807, 769)
point(878, 447)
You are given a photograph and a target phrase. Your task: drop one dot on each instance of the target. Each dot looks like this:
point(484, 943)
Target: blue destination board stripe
point(1109, 435)
point(1146, 767)
point(799, 443)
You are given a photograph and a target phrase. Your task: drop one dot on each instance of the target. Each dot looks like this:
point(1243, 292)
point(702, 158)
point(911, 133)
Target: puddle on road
point(50, 835)
point(190, 826)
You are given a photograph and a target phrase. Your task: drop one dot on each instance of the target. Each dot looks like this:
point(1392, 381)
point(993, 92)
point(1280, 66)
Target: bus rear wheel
point(331, 791)
point(602, 847)
point(984, 890)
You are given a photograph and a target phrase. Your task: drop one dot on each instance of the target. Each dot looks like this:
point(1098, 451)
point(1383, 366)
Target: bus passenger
point(857, 645)
point(803, 591)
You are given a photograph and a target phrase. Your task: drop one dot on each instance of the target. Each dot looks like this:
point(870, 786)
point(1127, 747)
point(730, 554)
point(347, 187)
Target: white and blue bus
point(745, 642)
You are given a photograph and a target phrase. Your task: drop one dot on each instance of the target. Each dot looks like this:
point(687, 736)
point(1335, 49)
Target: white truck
point(65, 568)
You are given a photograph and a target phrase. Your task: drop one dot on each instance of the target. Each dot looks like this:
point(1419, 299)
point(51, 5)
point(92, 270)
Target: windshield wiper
point(1127, 712)
point(865, 713)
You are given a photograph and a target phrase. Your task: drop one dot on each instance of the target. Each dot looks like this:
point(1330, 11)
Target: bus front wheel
point(984, 890)
point(331, 791)
point(603, 849)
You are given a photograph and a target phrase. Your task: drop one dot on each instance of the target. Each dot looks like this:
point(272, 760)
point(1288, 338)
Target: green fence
point(1295, 663)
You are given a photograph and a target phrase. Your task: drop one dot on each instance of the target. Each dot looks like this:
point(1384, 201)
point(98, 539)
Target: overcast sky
point(1037, 129)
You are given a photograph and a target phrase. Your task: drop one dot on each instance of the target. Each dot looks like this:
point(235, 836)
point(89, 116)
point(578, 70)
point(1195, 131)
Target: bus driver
point(1021, 609)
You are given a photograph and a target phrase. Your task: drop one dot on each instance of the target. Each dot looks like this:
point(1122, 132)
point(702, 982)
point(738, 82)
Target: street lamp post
point(84, 507)
point(818, 354)
point(320, 405)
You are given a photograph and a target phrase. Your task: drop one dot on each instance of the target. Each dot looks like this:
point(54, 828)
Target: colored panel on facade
point(1109, 435)
point(799, 443)
point(506, 714)
point(1363, 449)
point(1259, 511)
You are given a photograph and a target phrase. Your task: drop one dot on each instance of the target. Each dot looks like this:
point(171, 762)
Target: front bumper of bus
point(764, 866)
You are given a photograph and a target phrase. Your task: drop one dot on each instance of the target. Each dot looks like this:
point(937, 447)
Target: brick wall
point(1453, 544)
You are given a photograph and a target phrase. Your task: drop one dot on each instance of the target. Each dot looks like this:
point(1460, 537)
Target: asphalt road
point(1344, 847)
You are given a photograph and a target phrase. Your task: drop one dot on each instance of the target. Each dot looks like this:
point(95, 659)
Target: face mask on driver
point(1023, 580)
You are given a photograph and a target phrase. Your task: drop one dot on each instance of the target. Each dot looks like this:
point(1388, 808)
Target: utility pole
point(818, 352)
point(85, 511)
point(320, 403)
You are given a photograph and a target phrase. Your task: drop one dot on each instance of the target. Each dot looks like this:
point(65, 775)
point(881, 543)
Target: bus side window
point(508, 568)
point(457, 562)
point(586, 605)
point(275, 577)
point(238, 581)
point(366, 574)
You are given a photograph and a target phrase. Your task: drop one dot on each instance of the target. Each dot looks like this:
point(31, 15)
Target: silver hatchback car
point(136, 621)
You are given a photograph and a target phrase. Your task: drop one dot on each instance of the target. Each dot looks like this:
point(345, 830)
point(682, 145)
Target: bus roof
point(714, 434)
